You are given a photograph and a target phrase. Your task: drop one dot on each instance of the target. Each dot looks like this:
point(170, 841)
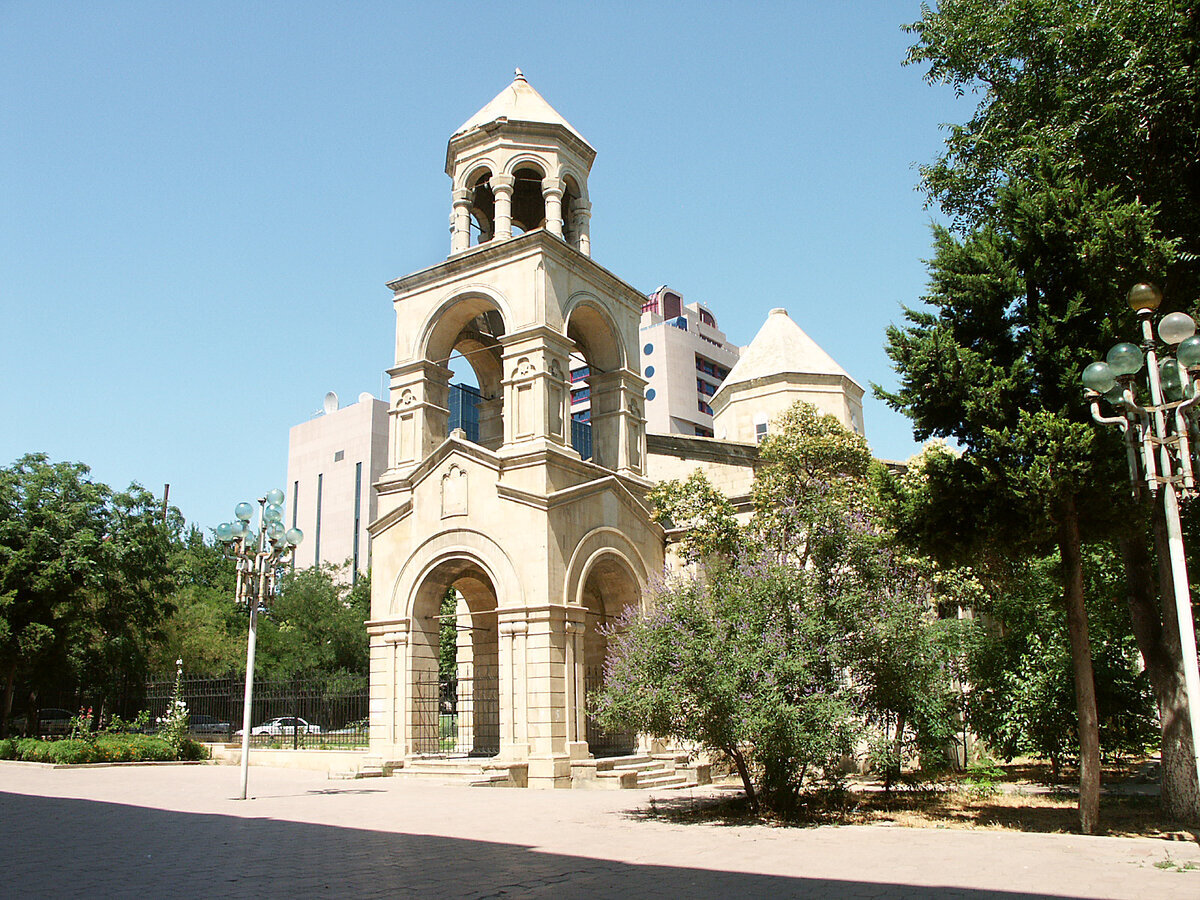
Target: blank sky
point(200, 204)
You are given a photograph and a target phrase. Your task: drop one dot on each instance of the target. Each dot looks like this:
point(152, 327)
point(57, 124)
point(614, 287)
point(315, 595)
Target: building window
point(584, 415)
point(339, 455)
point(706, 318)
point(581, 394)
point(650, 304)
point(648, 349)
point(651, 394)
point(760, 432)
point(580, 373)
point(701, 431)
point(649, 371)
point(705, 388)
point(704, 407)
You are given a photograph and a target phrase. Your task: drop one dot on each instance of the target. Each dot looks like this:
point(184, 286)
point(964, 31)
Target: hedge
point(103, 748)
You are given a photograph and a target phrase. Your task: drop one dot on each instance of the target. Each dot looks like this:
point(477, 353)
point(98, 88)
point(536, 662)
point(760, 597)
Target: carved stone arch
point(590, 325)
point(596, 544)
point(573, 180)
point(437, 335)
point(464, 545)
point(526, 161)
point(470, 175)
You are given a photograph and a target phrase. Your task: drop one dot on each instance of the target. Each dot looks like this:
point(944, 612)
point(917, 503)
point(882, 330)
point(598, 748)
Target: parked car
point(288, 725)
point(54, 721)
point(198, 723)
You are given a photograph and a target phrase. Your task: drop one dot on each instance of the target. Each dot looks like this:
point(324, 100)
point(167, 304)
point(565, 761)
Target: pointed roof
point(518, 102)
point(781, 346)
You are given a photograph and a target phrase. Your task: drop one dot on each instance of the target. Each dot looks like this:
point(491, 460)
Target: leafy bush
point(71, 751)
point(8, 749)
point(33, 750)
point(193, 750)
point(105, 748)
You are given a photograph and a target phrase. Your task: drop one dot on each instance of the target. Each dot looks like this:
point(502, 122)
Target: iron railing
point(312, 713)
point(456, 717)
point(600, 741)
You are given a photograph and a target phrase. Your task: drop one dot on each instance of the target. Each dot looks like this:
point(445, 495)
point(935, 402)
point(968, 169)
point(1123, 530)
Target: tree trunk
point(9, 683)
point(743, 770)
point(1156, 630)
point(1069, 545)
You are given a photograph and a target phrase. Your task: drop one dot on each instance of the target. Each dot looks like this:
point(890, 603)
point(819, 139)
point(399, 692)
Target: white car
point(284, 725)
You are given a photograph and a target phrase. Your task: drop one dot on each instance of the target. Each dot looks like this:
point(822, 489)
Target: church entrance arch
point(610, 592)
point(455, 672)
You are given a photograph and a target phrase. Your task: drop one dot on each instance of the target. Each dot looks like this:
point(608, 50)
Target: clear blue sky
point(200, 203)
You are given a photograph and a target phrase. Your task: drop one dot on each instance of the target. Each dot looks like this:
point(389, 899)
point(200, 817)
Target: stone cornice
point(496, 252)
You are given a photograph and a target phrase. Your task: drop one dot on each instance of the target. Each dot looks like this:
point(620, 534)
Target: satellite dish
point(365, 396)
point(331, 403)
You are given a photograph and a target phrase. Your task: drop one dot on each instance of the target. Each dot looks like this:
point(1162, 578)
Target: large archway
point(469, 329)
point(454, 664)
point(602, 354)
point(610, 591)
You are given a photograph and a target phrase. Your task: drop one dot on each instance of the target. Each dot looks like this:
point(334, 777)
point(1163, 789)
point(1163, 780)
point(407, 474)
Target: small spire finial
point(520, 75)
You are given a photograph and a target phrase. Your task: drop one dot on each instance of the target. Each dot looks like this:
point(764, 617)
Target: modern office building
point(684, 357)
point(333, 459)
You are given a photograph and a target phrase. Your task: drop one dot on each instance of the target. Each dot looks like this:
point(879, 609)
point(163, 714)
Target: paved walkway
point(175, 831)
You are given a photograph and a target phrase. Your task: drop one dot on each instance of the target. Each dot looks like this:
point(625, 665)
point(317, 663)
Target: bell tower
point(517, 165)
point(537, 525)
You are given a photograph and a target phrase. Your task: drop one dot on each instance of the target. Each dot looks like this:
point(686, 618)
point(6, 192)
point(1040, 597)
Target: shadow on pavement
point(57, 847)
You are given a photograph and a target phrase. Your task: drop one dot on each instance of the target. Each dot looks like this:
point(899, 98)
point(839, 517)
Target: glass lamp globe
point(294, 536)
point(1176, 326)
point(1099, 377)
point(273, 513)
point(275, 497)
point(244, 511)
point(224, 532)
point(1125, 359)
point(1188, 353)
point(1115, 395)
point(239, 528)
point(1144, 296)
point(274, 530)
point(1170, 376)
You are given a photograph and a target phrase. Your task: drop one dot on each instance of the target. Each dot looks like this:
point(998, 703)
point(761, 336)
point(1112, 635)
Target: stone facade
point(541, 547)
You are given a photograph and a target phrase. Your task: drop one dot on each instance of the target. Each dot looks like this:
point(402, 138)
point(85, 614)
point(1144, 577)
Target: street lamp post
point(258, 557)
point(1159, 437)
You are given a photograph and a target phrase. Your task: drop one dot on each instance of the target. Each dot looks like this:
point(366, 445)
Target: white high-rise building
point(333, 460)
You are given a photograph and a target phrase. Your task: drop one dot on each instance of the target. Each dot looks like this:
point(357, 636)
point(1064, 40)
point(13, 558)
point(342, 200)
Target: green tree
point(1100, 94)
point(785, 637)
point(315, 625)
point(52, 522)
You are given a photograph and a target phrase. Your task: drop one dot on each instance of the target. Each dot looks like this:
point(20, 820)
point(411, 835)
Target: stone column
point(460, 221)
point(502, 190)
point(549, 757)
point(420, 395)
point(491, 423)
point(536, 363)
point(576, 674)
point(514, 733)
point(618, 425)
point(388, 687)
point(552, 193)
point(583, 215)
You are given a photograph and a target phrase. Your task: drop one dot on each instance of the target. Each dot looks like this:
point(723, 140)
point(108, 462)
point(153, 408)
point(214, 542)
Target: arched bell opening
point(610, 593)
point(483, 207)
point(455, 671)
point(528, 202)
point(469, 333)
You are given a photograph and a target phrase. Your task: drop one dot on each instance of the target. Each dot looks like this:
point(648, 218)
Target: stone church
point(543, 546)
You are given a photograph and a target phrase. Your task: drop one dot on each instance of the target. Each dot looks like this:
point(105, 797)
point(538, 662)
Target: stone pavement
point(175, 831)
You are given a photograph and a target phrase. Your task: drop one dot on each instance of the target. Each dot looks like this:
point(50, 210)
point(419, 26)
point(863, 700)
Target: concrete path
point(175, 831)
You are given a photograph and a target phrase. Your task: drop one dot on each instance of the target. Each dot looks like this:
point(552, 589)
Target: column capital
point(463, 196)
point(552, 187)
point(503, 184)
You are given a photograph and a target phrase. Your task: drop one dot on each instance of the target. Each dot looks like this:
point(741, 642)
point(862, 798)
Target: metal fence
point(456, 717)
point(328, 712)
point(600, 741)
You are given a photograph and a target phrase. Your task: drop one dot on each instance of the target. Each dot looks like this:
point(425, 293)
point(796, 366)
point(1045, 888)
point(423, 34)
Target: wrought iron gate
point(601, 742)
point(457, 716)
